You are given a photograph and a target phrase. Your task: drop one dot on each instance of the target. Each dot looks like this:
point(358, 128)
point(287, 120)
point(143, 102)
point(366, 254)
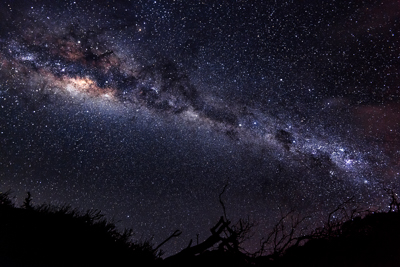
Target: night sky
point(146, 109)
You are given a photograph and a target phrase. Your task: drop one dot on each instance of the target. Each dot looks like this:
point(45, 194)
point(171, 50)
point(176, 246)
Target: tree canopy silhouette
point(48, 235)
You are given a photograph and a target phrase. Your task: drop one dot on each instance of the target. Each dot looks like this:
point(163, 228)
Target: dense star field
point(146, 109)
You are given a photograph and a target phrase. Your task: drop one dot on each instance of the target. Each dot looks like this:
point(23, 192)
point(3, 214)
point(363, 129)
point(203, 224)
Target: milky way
point(146, 109)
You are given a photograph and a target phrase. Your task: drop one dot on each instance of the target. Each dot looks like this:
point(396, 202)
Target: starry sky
point(146, 109)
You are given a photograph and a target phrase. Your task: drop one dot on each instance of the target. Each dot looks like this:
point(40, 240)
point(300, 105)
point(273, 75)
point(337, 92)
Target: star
point(145, 110)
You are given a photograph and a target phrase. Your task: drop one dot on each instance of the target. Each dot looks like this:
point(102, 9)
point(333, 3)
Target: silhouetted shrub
point(5, 201)
point(357, 238)
point(48, 235)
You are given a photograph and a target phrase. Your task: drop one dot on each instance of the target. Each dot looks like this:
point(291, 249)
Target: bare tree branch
point(287, 232)
point(174, 234)
point(220, 199)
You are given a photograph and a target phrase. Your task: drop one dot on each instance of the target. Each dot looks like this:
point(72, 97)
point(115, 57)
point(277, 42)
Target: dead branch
point(220, 200)
point(224, 236)
point(287, 232)
point(215, 237)
point(174, 234)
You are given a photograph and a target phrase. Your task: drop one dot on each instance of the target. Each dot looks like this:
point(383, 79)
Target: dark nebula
point(146, 109)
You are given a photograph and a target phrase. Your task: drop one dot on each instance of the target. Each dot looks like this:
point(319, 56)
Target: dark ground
point(46, 235)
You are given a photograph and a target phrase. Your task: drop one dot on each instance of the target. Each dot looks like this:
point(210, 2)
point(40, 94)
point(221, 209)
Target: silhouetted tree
point(225, 239)
point(394, 204)
point(5, 201)
point(27, 202)
point(289, 231)
point(48, 235)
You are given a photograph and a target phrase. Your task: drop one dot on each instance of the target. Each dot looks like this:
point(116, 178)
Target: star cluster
point(146, 109)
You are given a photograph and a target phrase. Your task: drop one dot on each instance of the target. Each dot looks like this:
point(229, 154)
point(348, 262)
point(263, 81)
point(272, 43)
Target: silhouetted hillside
point(61, 236)
point(370, 241)
point(46, 235)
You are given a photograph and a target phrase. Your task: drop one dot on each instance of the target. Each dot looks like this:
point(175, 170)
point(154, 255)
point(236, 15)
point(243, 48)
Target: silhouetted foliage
point(394, 204)
point(352, 236)
point(27, 202)
point(48, 235)
point(5, 201)
point(363, 241)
